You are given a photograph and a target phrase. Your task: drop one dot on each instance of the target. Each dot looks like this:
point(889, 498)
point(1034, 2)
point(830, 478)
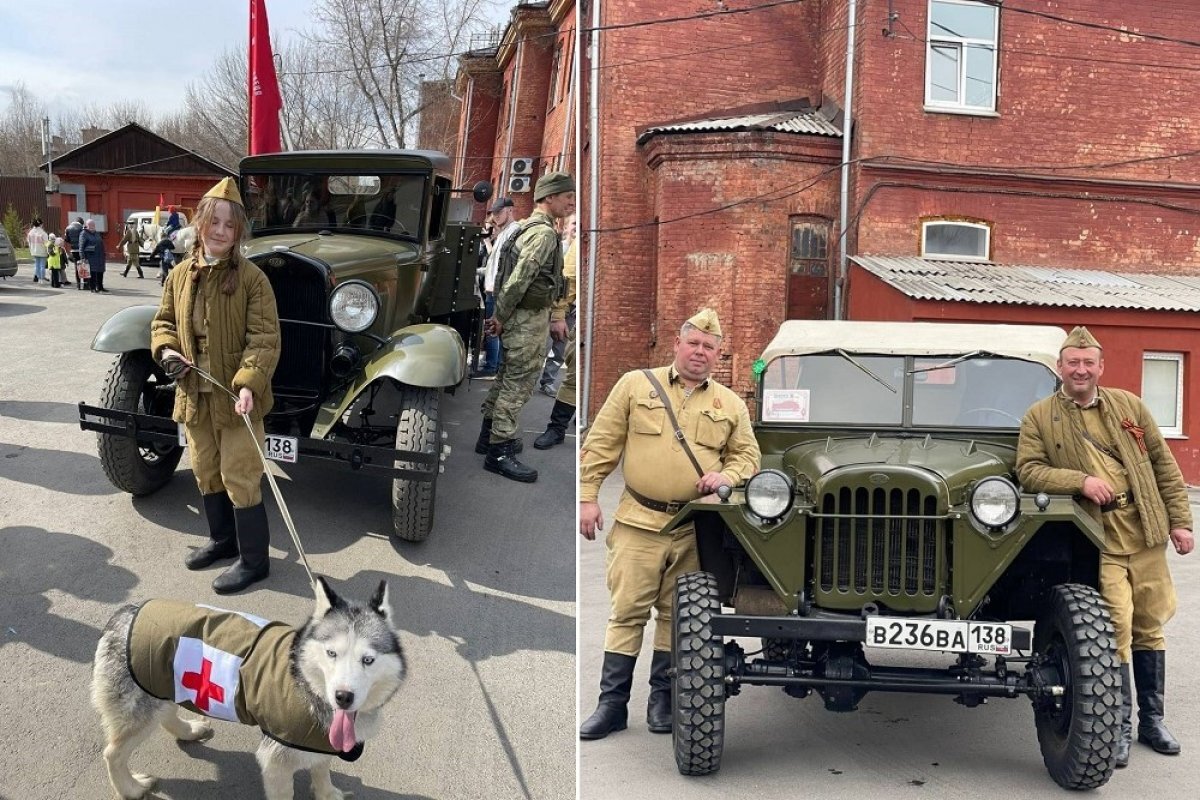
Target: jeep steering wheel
point(989, 409)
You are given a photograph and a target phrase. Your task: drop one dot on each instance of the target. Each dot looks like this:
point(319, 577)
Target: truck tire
point(135, 384)
point(698, 691)
point(418, 429)
point(1074, 638)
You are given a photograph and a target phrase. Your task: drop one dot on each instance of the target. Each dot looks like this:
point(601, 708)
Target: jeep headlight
point(769, 494)
point(353, 306)
point(995, 502)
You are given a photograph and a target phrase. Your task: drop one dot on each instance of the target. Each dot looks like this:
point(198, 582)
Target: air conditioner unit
point(521, 166)
point(519, 183)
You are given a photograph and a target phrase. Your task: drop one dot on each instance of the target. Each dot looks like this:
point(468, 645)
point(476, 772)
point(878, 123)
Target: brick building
point(981, 134)
point(517, 118)
point(128, 170)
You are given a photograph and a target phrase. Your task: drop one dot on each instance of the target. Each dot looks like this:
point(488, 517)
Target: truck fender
point(427, 355)
point(125, 331)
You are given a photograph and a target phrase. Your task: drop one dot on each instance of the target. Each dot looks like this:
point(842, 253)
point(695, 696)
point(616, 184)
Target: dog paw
point(145, 781)
point(332, 793)
point(202, 731)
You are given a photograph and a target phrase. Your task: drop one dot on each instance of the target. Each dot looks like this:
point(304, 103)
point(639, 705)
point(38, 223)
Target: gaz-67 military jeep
point(887, 517)
point(376, 297)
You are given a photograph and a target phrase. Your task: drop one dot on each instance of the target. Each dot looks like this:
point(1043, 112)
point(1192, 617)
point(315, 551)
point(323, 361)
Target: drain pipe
point(843, 217)
point(593, 203)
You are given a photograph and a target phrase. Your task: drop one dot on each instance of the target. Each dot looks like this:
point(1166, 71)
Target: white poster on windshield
point(785, 405)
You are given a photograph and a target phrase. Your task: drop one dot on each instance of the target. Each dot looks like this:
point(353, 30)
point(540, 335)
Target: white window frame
point(942, 40)
point(987, 240)
point(1176, 430)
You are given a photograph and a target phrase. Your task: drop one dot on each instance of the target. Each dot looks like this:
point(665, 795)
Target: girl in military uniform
point(218, 314)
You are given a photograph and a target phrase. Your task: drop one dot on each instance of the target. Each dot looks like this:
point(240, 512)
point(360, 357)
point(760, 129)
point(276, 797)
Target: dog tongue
point(341, 732)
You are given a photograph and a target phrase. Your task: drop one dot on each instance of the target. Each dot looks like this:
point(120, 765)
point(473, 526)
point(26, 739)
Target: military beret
point(553, 183)
point(706, 320)
point(1080, 337)
point(226, 190)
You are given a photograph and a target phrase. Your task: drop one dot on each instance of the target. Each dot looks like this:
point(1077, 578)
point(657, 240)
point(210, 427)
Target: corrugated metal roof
point(807, 121)
point(1015, 284)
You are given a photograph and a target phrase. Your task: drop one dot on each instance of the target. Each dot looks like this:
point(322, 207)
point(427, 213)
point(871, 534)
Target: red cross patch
point(207, 678)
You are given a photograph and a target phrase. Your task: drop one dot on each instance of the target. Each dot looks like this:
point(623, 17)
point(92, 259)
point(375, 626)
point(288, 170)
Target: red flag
point(265, 100)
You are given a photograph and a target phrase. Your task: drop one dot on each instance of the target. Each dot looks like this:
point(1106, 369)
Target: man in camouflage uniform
point(132, 242)
point(532, 283)
point(660, 478)
point(1103, 446)
point(564, 399)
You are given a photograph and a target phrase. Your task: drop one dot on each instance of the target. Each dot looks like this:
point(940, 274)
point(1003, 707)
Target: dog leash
point(287, 517)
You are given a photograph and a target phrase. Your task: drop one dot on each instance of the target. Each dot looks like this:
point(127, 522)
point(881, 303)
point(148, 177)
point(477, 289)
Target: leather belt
point(671, 507)
point(1122, 500)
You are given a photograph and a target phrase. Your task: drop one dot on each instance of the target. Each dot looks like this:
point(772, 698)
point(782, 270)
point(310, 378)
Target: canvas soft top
point(1037, 343)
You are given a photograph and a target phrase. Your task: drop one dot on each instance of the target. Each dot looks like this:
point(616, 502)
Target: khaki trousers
point(225, 459)
point(642, 568)
point(1140, 598)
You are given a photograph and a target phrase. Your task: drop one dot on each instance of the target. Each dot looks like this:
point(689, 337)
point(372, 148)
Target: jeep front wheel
point(419, 429)
point(1074, 642)
point(137, 385)
point(698, 691)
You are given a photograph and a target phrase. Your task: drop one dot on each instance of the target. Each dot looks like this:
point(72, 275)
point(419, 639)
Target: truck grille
point(300, 295)
point(884, 543)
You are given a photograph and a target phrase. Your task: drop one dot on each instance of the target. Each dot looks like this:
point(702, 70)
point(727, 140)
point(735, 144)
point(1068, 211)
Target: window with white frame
point(956, 240)
point(1162, 390)
point(960, 55)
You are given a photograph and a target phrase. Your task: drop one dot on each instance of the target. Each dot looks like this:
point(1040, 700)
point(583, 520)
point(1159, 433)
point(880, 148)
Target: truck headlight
point(353, 306)
point(769, 494)
point(995, 502)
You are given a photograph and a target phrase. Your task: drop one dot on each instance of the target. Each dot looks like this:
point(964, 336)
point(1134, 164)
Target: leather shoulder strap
point(674, 422)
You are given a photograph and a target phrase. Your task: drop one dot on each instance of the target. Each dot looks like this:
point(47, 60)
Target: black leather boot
point(658, 709)
point(222, 533)
point(485, 435)
point(1125, 734)
point(254, 539)
point(556, 431)
point(1150, 677)
point(612, 713)
point(502, 460)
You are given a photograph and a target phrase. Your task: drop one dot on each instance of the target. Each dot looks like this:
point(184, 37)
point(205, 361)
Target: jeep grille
point(883, 542)
point(300, 296)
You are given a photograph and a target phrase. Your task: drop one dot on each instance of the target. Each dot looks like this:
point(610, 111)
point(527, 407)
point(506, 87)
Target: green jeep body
point(359, 379)
point(887, 515)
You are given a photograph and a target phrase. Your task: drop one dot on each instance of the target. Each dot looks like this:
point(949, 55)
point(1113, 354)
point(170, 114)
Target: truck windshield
point(307, 201)
point(978, 391)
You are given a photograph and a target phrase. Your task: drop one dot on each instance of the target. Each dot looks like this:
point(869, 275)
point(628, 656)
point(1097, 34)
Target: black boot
point(658, 709)
point(254, 539)
point(1150, 678)
point(485, 436)
point(1125, 734)
point(502, 459)
point(556, 431)
point(612, 714)
point(222, 533)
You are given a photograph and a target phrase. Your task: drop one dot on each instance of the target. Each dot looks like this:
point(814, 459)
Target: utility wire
point(1157, 37)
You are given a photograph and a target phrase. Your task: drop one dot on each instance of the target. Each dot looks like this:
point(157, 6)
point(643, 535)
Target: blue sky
point(71, 52)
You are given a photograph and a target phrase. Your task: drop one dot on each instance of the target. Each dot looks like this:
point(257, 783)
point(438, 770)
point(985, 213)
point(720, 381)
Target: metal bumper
point(149, 429)
point(816, 629)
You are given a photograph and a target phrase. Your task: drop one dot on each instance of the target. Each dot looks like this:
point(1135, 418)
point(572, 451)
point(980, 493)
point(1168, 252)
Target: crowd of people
point(80, 253)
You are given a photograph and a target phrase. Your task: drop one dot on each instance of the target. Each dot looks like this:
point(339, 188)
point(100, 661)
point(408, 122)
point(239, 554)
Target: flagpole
point(283, 128)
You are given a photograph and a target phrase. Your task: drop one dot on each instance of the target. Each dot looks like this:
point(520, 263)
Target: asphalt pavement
point(486, 606)
point(896, 746)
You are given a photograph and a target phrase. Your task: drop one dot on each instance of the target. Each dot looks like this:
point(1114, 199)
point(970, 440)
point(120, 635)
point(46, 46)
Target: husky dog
point(314, 692)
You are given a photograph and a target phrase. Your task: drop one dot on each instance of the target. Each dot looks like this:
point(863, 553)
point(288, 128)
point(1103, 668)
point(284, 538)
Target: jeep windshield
point(977, 390)
point(360, 203)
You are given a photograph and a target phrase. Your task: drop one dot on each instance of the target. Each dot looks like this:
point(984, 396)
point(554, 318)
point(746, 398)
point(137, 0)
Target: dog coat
point(228, 665)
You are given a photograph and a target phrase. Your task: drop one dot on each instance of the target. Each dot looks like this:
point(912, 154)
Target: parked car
point(375, 303)
point(887, 518)
point(8, 256)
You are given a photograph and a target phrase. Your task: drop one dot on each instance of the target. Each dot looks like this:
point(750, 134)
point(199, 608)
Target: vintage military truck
point(887, 518)
point(375, 289)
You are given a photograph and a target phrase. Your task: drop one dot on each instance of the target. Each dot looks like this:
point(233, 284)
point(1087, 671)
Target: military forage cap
point(226, 190)
point(552, 183)
point(706, 320)
point(1080, 337)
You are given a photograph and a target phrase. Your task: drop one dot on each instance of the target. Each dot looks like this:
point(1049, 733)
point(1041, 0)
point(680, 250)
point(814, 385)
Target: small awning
point(802, 121)
point(1017, 284)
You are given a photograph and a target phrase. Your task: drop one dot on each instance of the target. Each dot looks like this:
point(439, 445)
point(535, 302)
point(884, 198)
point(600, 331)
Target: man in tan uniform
point(660, 477)
point(1103, 444)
